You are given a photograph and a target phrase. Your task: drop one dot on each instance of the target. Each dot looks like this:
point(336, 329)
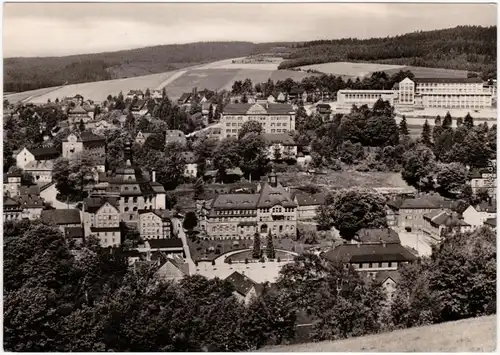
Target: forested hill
point(470, 48)
point(22, 74)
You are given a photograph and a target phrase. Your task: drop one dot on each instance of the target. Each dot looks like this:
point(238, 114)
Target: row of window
point(126, 209)
point(233, 212)
point(370, 265)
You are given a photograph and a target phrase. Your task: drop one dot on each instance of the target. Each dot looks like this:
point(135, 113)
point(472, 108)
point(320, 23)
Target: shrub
point(229, 261)
point(279, 259)
point(246, 260)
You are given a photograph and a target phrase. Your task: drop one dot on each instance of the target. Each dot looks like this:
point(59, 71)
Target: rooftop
point(241, 283)
point(279, 138)
point(361, 253)
point(165, 243)
point(61, 217)
point(305, 199)
point(377, 235)
point(249, 109)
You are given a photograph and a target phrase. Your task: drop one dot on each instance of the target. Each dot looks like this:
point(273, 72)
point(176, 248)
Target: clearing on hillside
point(467, 335)
point(354, 70)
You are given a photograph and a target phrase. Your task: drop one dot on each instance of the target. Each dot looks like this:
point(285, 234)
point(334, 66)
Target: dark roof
point(304, 199)
point(45, 153)
point(77, 110)
point(279, 138)
point(382, 276)
point(185, 96)
point(271, 196)
point(235, 201)
point(377, 235)
point(164, 214)
point(29, 201)
point(29, 190)
point(189, 157)
point(165, 243)
point(92, 204)
point(490, 207)
point(9, 202)
point(61, 217)
point(270, 109)
point(412, 203)
point(104, 229)
point(444, 218)
point(241, 283)
point(448, 80)
point(91, 137)
point(73, 232)
point(360, 253)
point(491, 222)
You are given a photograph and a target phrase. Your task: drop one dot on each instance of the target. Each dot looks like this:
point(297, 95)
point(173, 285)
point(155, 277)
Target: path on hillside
point(177, 226)
point(171, 79)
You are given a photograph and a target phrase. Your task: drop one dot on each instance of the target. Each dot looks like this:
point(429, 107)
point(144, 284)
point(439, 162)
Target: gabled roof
point(46, 153)
point(448, 80)
point(47, 165)
point(87, 137)
point(29, 190)
point(490, 207)
point(189, 157)
point(9, 202)
point(30, 201)
point(241, 283)
point(61, 217)
point(165, 243)
point(492, 222)
point(270, 196)
point(235, 202)
point(362, 253)
point(383, 276)
point(377, 235)
point(78, 110)
point(304, 199)
point(270, 109)
point(93, 204)
point(412, 203)
point(185, 96)
point(163, 214)
point(135, 92)
point(279, 138)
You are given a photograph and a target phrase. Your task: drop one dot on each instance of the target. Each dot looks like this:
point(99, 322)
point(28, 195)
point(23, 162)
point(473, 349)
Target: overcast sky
point(75, 28)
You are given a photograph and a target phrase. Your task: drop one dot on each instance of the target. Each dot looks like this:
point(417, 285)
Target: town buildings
point(12, 184)
point(484, 179)
point(175, 136)
point(77, 143)
point(102, 220)
point(274, 118)
point(280, 146)
point(135, 94)
point(26, 156)
point(155, 224)
point(245, 289)
point(447, 93)
point(308, 204)
point(41, 171)
point(477, 215)
point(242, 215)
point(440, 221)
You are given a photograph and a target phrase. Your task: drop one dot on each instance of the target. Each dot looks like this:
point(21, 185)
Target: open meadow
point(467, 335)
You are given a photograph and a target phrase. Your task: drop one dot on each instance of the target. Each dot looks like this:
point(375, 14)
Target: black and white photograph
point(249, 177)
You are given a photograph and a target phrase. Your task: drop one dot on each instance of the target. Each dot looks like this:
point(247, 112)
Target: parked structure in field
point(242, 215)
point(274, 118)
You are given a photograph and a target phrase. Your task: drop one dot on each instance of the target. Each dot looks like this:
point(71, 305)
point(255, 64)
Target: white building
point(280, 145)
point(347, 98)
point(274, 118)
point(477, 215)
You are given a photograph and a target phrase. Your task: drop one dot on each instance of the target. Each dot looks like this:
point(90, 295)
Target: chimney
point(153, 176)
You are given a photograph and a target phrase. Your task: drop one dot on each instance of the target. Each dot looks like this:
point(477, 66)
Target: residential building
point(171, 246)
point(191, 167)
point(376, 236)
point(307, 204)
point(280, 146)
point(245, 289)
point(389, 281)
point(155, 224)
point(102, 219)
point(484, 179)
point(12, 184)
point(438, 222)
point(171, 267)
point(62, 218)
point(135, 94)
point(139, 108)
point(156, 95)
point(408, 214)
point(78, 114)
point(26, 156)
point(271, 99)
point(243, 215)
point(175, 136)
point(75, 233)
point(491, 223)
point(141, 137)
point(371, 258)
point(185, 98)
point(298, 94)
point(12, 210)
point(77, 143)
point(274, 118)
point(477, 215)
point(41, 171)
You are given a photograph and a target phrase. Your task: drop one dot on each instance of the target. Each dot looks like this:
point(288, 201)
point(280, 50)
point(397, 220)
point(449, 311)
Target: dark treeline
point(470, 48)
point(22, 74)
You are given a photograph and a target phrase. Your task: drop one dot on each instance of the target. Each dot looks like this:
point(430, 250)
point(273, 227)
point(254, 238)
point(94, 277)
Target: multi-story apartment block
point(274, 118)
point(155, 224)
point(242, 215)
point(102, 219)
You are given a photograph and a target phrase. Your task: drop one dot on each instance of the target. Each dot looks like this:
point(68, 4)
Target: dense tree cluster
point(471, 48)
point(444, 156)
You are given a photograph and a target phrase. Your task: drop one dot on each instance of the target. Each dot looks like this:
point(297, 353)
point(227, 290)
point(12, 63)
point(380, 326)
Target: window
point(379, 264)
point(390, 264)
point(126, 209)
point(360, 265)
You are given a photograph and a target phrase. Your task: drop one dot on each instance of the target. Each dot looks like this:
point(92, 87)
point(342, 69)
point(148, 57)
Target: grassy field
point(184, 80)
point(353, 69)
point(344, 179)
point(468, 335)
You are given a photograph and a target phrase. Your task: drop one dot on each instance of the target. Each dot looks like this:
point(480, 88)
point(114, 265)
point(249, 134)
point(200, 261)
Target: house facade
point(26, 156)
point(274, 118)
point(40, 170)
point(102, 219)
point(307, 205)
point(477, 215)
point(155, 224)
point(77, 143)
point(242, 215)
point(281, 146)
point(440, 221)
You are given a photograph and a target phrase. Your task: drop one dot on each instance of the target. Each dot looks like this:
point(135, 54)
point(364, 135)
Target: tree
point(248, 127)
point(270, 252)
point(448, 120)
point(253, 153)
point(130, 123)
point(154, 142)
point(468, 121)
point(226, 155)
point(8, 158)
point(451, 179)
point(381, 131)
point(403, 127)
point(190, 221)
point(198, 188)
point(460, 121)
point(73, 177)
point(426, 134)
point(418, 167)
point(256, 252)
point(350, 210)
point(351, 153)
point(211, 114)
